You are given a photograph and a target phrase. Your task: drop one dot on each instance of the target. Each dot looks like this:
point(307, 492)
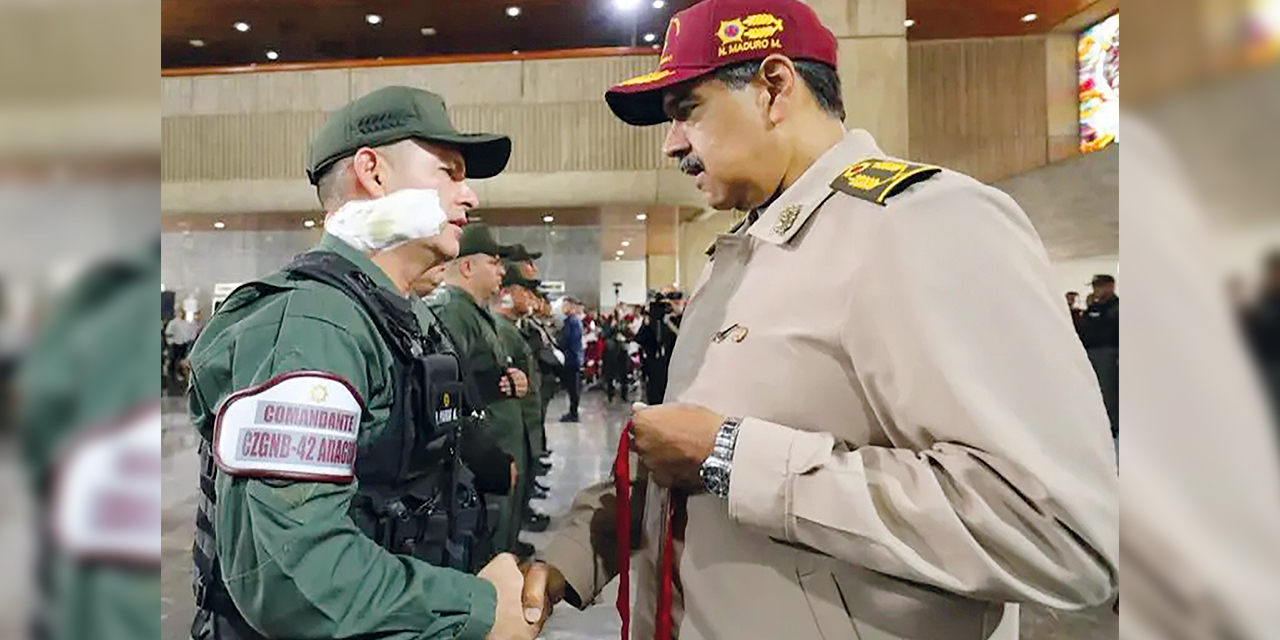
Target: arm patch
point(877, 180)
point(300, 425)
point(106, 499)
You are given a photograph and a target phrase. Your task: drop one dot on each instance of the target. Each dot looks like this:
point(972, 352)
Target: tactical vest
point(415, 497)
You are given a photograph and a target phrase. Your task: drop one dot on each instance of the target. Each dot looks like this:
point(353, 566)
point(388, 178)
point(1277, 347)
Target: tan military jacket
point(923, 440)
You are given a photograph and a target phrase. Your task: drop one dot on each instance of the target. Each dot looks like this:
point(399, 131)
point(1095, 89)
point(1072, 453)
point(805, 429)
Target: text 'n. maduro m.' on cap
point(717, 33)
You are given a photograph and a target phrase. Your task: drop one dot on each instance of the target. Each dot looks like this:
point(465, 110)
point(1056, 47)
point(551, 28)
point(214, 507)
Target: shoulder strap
point(391, 314)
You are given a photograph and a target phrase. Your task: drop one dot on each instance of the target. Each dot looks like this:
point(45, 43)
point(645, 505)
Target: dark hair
point(821, 79)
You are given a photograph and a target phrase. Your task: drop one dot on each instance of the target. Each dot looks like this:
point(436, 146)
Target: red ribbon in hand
point(664, 623)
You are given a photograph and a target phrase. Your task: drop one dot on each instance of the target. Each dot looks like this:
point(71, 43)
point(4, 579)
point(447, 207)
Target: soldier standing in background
point(471, 283)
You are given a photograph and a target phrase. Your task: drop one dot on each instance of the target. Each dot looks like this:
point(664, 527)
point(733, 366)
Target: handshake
point(526, 595)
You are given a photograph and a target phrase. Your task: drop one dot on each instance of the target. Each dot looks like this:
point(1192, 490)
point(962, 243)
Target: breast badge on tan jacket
point(876, 180)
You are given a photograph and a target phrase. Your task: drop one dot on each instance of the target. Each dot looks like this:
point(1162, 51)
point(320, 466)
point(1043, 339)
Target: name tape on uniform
point(107, 492)
point(300, 426)
point(876, 180)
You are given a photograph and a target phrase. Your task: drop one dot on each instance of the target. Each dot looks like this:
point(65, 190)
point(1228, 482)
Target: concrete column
point(662, 229)
point(873, 66)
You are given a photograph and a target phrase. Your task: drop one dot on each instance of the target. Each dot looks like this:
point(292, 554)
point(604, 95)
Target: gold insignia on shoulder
point(786, 218)
point(876, 180)
point(319, 393)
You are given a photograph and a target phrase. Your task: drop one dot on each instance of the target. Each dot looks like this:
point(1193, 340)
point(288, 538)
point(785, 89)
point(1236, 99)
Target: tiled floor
point(582, 455)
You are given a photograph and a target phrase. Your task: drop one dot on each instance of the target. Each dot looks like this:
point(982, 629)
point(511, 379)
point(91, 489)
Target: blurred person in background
point(89, 415)
point(1073, 306)
point(308, 384)
point(616, 335)
point(1263, 327)
point(657, 339)
point(1099, 331)
point(511, 308)
point(571, 344)
point(472, 283)
point(180, 334)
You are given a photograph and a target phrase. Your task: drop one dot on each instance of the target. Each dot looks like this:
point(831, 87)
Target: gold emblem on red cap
point(749, 33)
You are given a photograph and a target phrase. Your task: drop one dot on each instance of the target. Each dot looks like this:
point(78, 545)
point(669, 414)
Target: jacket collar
point(787, 214)
point(357, 257)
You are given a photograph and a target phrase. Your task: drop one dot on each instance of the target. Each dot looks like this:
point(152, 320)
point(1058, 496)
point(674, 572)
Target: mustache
point(689, 164)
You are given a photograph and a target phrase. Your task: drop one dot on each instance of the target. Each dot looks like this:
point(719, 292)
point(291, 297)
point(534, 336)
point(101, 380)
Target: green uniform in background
point(521, 359)
point(533, 403)
point(473, 331)
point(293, 561)
point(93, 369)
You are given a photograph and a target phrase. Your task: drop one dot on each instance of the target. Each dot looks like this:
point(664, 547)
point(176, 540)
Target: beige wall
point(238, 143)
point(992, 107)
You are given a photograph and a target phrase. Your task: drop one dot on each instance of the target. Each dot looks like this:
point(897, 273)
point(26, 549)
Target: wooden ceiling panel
point(336, 31)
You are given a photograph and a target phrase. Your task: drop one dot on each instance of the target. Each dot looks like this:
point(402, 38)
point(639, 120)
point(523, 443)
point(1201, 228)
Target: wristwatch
point(717, 467)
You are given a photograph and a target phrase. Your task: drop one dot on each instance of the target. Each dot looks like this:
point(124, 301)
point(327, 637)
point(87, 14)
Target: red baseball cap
point(716, 33)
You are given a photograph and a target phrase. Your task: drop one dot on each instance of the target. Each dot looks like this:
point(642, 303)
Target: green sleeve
point(292, 559)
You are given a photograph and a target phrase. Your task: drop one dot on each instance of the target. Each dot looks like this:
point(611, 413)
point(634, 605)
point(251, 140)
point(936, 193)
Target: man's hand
point(673, 440)
point(543, 588)
point(508, 619)
point(521, 383)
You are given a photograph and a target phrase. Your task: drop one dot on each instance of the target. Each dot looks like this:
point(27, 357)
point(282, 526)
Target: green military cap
point(515, 277)
point(522, 254)
point(477, 238)
point(392, 114)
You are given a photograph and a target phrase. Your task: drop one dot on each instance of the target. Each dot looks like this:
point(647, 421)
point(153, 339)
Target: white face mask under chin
point(376, 225)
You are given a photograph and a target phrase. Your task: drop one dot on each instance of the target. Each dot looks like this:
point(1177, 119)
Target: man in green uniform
point(316, 399)
point(509, 309)
point(89, 398)
point(523, 260)
point(471, 282)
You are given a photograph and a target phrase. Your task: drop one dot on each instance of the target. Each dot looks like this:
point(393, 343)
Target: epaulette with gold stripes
point(876, 180)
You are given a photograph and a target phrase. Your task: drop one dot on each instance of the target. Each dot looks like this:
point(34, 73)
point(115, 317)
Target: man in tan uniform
point(887, 455)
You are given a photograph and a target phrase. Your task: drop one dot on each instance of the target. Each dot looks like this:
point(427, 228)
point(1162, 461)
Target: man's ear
point(370, 169)
point(778, 77)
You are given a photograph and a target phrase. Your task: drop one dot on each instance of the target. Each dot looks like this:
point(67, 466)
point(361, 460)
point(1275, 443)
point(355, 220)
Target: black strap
point(392, 315)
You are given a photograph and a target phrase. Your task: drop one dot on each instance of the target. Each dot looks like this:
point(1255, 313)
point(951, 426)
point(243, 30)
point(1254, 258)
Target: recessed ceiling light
point(908, 22)
point(619, 252)
point(241, 26)
point(649, 37)
point(548, 218)
point(641, 216)
point(196, 42)
point(626, 243)
point(513, 11)
point(219, 224)
point(308, 223)
point(272, 55)
point(1030, 17)
point(616, 258)
point(553, 233)
point(658, 4)
point(428, 31)
point(515, 52)
point(626, 5)
point(373, 18)
point(655, 47)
